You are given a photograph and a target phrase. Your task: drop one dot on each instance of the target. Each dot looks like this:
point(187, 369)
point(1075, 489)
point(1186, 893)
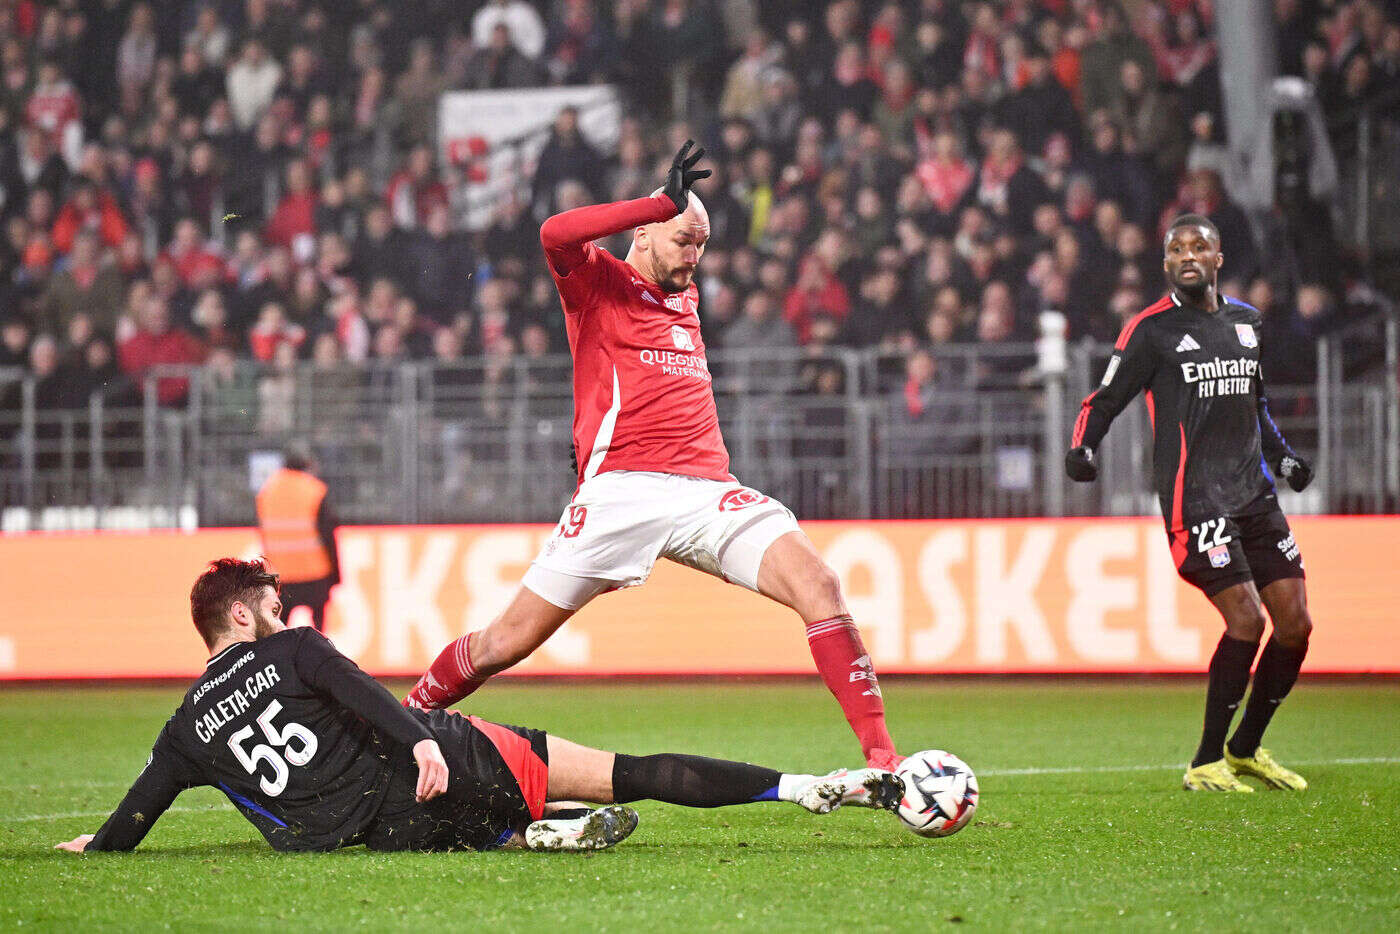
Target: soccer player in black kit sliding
point(1216, 451)
point(317, 755)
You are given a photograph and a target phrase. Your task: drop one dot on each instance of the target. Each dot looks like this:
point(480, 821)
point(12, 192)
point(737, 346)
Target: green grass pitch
point(1082, 821)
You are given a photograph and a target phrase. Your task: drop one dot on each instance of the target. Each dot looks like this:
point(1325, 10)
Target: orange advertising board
point(993, 596)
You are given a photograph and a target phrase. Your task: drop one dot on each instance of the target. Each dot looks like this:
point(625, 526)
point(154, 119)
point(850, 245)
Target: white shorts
point(620, 522)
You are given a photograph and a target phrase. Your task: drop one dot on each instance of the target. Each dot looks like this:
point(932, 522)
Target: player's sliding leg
point(1228, 678)
point(466, 663)
point(792, 573)
point(690, 781)
point(579, 772)
point(1275, 676)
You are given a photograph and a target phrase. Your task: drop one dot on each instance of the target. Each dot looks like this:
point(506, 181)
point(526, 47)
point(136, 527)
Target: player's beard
point(265, 625)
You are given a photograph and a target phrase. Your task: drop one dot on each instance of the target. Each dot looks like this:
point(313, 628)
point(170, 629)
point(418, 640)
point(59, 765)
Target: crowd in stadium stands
point(186, 181)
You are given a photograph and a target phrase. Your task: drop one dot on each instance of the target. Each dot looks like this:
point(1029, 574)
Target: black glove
point(1296, 471)
point(1079, 464)
point(682, 175)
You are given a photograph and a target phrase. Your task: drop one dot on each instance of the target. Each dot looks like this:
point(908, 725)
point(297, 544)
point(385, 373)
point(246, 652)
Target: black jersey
point(1214, 441)
point(301, 740)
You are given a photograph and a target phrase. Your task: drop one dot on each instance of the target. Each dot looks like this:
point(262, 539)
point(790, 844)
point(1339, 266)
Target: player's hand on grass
point(432, 770)
point(1080, 464)
point(683, 174)
point(1297, 472)
point(76, 845)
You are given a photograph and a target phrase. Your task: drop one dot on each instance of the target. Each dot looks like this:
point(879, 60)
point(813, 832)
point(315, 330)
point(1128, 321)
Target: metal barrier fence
point(837, 435)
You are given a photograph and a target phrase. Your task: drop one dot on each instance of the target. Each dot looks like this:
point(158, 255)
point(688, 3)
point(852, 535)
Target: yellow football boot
point(1263, 767)
point(1213, 776)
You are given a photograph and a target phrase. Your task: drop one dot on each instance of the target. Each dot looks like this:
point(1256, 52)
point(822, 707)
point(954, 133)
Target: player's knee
point(1246, 625)
point(823, 589)
point(1294, 628)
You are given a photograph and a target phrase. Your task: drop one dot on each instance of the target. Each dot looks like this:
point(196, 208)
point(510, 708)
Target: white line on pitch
point(1095, 769)
point(73, 814)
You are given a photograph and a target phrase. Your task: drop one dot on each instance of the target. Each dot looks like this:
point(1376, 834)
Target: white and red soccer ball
point(940, 793)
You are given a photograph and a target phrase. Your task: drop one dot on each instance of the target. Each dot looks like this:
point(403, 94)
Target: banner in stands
point(494, 138)
point(989, 596)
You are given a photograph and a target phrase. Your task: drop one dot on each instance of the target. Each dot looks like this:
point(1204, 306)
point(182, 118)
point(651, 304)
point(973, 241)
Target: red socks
point(845, 667)
point(448, 679)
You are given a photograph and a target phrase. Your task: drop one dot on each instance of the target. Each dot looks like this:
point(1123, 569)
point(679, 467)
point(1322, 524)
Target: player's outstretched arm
point(1285, 461)
point(565, 237)
point(1129, 370)
point(160, 782)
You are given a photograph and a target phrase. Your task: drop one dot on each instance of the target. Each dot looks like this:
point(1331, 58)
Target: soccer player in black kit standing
point(1216, 451)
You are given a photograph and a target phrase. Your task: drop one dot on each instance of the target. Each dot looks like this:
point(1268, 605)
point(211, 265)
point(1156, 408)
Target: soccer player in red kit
point(653, 471)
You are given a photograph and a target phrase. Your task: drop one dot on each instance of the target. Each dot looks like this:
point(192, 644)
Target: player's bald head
point(694, 219)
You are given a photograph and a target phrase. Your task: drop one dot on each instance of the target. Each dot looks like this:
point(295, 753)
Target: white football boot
point(596, 830)
point(862, 788)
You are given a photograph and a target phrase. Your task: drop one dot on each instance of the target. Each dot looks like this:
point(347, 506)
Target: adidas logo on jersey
point(1187, 343)
point(647, 297)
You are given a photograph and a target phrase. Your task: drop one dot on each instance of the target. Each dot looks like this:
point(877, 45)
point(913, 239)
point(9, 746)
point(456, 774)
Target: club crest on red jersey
point(741, 498)
point(1246, 335)
point(681, 338)
point(675, 302)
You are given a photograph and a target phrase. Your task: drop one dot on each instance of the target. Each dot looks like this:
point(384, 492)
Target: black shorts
point(496, 783)
point(1218, 553)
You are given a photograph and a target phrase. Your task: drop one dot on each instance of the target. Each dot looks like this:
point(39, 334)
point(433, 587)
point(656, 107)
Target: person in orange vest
point(298, 534)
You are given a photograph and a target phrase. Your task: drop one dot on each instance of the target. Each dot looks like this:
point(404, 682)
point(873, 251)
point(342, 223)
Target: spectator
point(760, 327)
point(293, 224)
point(816, 292)
point(252, 82)
point(16, 333)
point(414, 190)
point(743, 84)
point(566, 156)
point(277, 394)
point(417, 91)
point(83, 286)
point(1101, 66)
point(1007, 186)
point(499, 64)
point(157, 342)
point(271, 331)
point(1154, 119)
point(1042, 106)
point(524, 28)
point(438, 258)
point(90, 208)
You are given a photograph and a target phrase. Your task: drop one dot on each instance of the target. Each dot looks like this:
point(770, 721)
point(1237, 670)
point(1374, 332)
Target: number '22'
point(1204, 529)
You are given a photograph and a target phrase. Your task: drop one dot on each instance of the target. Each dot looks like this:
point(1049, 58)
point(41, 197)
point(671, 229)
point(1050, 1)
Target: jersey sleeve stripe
point(1159, 306)
point(1178, 529)
point(1082, 421)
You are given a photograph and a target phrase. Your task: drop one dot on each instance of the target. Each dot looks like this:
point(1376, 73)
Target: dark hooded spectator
point(566, 156)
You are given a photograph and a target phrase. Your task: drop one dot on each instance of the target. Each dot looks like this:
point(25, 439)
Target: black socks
point(1229, 676)
point(692, 781)
point(1273, 679)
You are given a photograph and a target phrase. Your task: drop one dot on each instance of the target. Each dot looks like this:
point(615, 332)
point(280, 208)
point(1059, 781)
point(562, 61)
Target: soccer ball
point(940, 793)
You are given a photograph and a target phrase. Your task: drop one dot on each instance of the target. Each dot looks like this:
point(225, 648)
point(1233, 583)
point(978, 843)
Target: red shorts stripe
point(530, 772)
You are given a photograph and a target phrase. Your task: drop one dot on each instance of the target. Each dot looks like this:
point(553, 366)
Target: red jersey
point(642, 396)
